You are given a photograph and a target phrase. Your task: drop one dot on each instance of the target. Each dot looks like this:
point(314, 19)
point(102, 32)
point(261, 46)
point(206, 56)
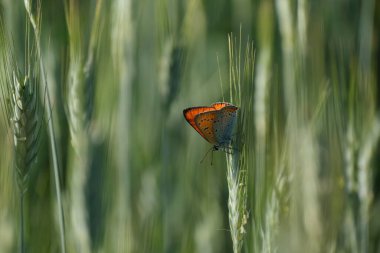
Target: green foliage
point(122, 166)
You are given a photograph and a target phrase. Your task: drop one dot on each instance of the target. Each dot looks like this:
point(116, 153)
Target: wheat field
point(96, 156)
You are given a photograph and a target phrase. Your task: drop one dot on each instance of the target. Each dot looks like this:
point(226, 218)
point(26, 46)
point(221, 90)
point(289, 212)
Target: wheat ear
point(36, 30)
point(23, 111)
point(241, 77)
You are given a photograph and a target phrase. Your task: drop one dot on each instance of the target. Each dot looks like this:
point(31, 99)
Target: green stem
point(22, 239)
point(50, 128)
point(54, 151)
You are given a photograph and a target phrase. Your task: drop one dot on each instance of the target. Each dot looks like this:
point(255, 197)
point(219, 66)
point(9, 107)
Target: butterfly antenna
point(208, 151)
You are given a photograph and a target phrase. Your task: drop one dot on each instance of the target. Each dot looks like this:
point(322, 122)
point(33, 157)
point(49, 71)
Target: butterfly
point(214, 123)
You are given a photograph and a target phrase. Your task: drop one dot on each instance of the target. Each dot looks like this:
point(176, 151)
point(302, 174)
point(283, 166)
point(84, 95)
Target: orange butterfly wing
point(205, 123)
point(203, 118)
point(220, 105)
point(192, 112)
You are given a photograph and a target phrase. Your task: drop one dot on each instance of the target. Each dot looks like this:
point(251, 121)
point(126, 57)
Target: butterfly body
point(214, 123)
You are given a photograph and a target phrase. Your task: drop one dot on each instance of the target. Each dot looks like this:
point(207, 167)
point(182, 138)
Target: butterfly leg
point(208, 151)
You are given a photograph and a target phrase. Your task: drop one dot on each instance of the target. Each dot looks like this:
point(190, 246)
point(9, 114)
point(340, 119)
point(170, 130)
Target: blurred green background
point(119, 74)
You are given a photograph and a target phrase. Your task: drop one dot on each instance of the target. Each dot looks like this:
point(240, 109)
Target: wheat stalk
point(119, 229)
point(24, 114)
point(35, 23)
point(237, 198)
point(76, 117)
point(22, 109)
point(80, 96)
point(241, 78)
